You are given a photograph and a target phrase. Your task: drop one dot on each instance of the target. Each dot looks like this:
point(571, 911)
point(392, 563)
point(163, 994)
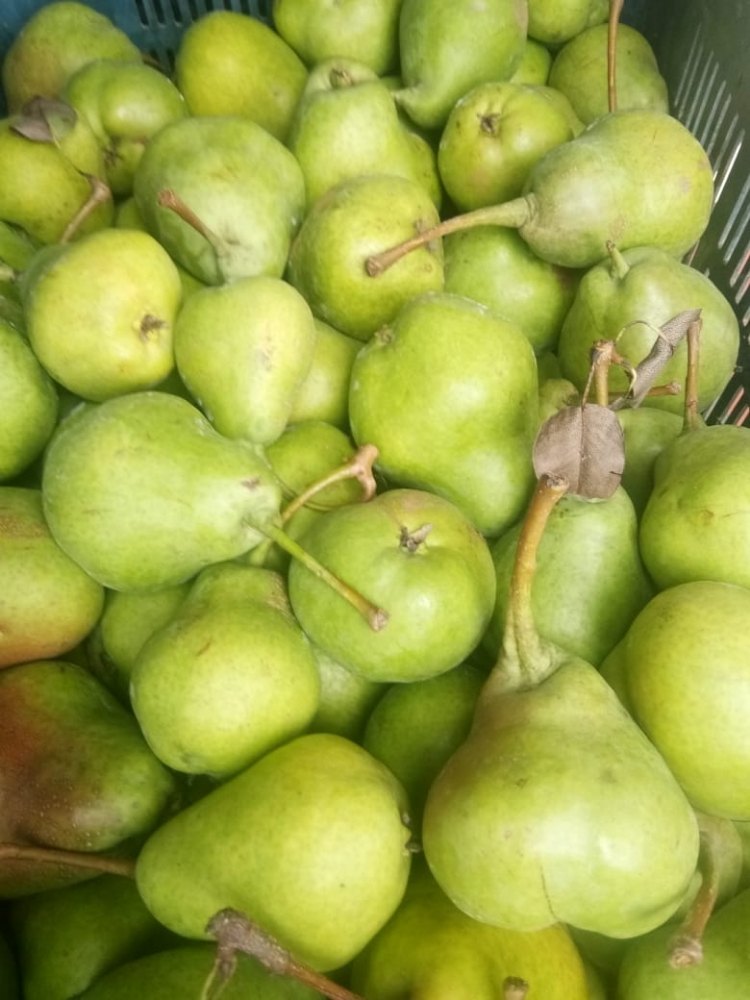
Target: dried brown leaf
point(44, 119)
point(584, 445)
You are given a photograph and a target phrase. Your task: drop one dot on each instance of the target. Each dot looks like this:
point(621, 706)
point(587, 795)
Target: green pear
point(557, 808)
point(687, 666)
point(461, 430)
point(494, 135)
point(126, 622)
point(228, 678)
point(243, 350)
point(554, 395)
point(446, 49)
point(310, 840)
point(627, 297)
point(366, 30)
point(722, 974)
point(414, 728)
point(324, 393)
point(143, 493)
point(30, 404)
point(535, 64)
point(495, 267)
point(590, 581)
point(67, 938)
point(695, 524)
point(553, 22)
point(420, 558)
point(183, 972)
point(48, 604)
point(346, 698)
point(579, 71)
point(632, 178)
point(125, 103)
point(326, 260)
point(54, 42)
point(240, 192)
point(230, 63)
point(431, 950)
point(46, 182)
point(96, 785)
point(345, 125)
point(646, 432)
point(100, 314)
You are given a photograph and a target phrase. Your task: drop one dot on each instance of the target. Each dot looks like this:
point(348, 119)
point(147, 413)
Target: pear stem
point(620, 266)
point(358, 467)
point(686, 947)
point(513, 214)
point(615, 9)
point(522, 662)
point(100, 192)
point(235, 933)
point(375, 617)
point(168, 198)
point(692, 420)
point(71, 859)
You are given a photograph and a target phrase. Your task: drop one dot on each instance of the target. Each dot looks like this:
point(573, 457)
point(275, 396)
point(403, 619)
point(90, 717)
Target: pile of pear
point(302, 617)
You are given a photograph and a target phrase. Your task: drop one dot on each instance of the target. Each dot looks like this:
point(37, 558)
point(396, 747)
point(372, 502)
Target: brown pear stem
point(615, 9)
point(71, 859)
point(522, 645)
point(376, 618)
point(358, 467)
point(686, 946)
point(100, 192)
point(236, 933)
point(691, 419)
point(667, 389)
point(514, 988)
point(168, 198)
point(512, 214)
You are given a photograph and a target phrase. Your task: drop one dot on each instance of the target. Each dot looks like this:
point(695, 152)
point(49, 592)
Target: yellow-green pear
point(229, 677)
point(311, 840)
point(30, 403)
point(430, 950)
point(48, 604)
point(366, 30)
point(324, 393)
point(229, 63)
point(100, 313)
point(125, 103)
point(243, 350)
point(54, 42)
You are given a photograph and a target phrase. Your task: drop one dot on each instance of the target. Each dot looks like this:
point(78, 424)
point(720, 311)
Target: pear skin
point(310, 840)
